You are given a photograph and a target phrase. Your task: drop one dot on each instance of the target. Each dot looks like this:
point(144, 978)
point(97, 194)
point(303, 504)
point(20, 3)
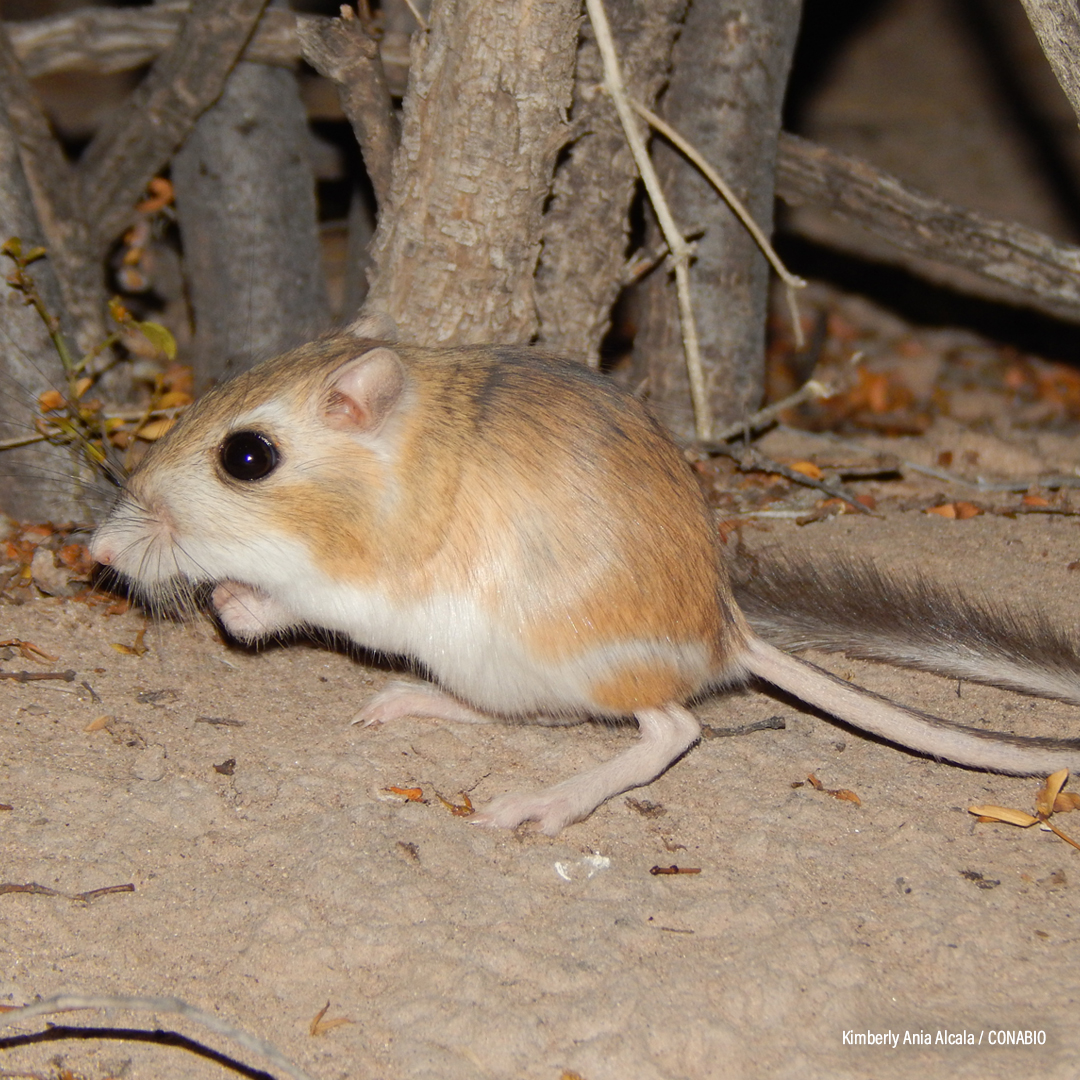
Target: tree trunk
point(245, 197)
point(587, 225)
point(484, 118)
point(730, 68)
point(39, 481)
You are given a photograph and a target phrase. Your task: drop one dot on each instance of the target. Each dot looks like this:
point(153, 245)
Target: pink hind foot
point(665, 735)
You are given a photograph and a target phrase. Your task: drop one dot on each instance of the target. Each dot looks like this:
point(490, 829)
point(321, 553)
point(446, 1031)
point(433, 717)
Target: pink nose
point(100, 551)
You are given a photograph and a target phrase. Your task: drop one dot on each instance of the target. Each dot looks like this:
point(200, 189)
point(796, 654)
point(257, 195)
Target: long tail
point(916, 730)
point(851, 606)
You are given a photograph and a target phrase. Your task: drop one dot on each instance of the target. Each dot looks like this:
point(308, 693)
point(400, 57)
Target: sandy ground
point(273, 872)
point(290, 878)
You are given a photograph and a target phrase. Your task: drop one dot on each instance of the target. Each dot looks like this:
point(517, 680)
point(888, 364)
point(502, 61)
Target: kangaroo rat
point(513, 521)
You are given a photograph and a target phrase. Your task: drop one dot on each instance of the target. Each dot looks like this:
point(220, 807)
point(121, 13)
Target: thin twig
point(791, 282)
point(420, 20)
point(750, 459)
point(811, 390)
point(680, 250)
point(142, 133)
point(1051, 482)
point(37, 676)
point(26, 440)
point(645, 260)
point(72, 1002)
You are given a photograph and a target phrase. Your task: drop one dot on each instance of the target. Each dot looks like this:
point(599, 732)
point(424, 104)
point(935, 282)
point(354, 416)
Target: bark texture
point(730, 68)
point(141, 135)
point(48, 186)
point(484, 118)
point(342, 51)
point(37, 482)
point(1057, 25)
point(245, 197)
point(587, 224)
point(1027, 267)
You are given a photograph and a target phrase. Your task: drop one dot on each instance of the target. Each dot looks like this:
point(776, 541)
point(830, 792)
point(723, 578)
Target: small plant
point(70, 416)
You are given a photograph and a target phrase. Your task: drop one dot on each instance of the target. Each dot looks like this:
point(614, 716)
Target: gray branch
point(587, 222)
point(341, 50)
point(47, 183)
point(1057, 25)
point(1039, 271)
point(141, 135)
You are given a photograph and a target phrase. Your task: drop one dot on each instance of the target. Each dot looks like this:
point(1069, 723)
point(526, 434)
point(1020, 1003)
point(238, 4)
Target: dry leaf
point(807, 468)
point(154, 429)
point(946, 511)
point(174, 399)
point(1044, 799)
point(135, 649)
point(847, 796)
point(411, 794)
point(98, 724)
point(1004, 813)
point(319, 1026)
point(836, 793)
point(458, 811)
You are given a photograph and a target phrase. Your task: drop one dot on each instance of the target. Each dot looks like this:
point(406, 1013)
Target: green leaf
point(159, 337)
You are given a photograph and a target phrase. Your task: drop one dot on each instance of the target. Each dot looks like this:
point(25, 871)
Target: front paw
point(246, 612)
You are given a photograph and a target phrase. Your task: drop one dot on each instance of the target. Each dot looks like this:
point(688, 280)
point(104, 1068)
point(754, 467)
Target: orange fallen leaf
point(161, 195)
point(946, 511)
point(137, 648)
point(411, 794)
point(98, 724)
point(1045, 804)
point(1035, 500)
point(28, 650)
point(845, 795)
point(1005, 814)
point(1044, 798)
point(154, 429)
point(836, 793)
point(807, 468)
point(458, 811)
point(174, 399)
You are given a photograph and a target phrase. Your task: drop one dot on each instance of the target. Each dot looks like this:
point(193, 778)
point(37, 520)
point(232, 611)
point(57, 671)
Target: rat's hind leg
point(664, 735)
point(418, 699)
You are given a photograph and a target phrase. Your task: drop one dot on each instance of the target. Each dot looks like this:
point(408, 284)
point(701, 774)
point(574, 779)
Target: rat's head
point(262, 472)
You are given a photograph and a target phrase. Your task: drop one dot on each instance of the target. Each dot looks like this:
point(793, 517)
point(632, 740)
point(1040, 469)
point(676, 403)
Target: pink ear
point(364, 391)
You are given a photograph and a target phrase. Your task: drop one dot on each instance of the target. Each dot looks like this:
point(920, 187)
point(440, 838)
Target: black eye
point(248, 455)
